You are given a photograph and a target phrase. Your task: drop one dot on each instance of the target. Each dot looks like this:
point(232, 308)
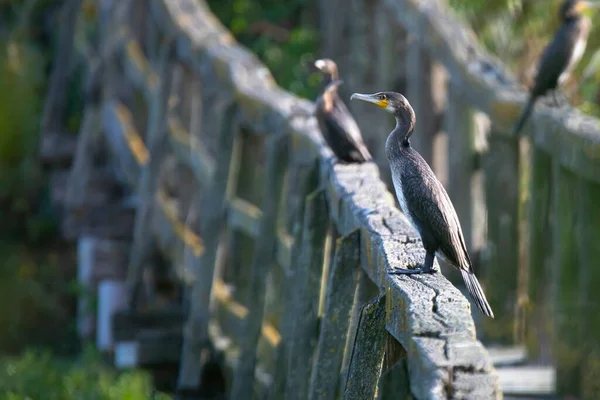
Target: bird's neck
point(400, 137)
point(328, 99)
point(573, 18)
point(332, 76)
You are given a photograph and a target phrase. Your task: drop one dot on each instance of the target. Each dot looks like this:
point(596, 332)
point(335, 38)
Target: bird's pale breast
point(577, 54)
point(397, 180)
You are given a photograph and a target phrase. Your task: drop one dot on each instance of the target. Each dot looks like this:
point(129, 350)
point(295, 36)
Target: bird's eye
point(382, 97)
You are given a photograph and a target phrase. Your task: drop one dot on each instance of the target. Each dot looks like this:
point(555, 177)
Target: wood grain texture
point(212, 220)
point(368, 352)
point(264, 257)
point(341, 287)
point(305, 293)
point(500, 267)
point(149, 176)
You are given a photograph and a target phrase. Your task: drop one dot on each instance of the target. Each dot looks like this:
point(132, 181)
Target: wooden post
point(333, 22)
point(588, 232)
point(192, 262)
point(500, 275)
point(540, 195)
point(79, 175)
point(341, 287)
point(306, 181)
point(524, 271)
point(367, 356)
point(138, 21)
point(157, 144)
point(332, 237)
point(248, 188)
point(460, 126)
point(153, 36)
point(212, 221)
point(286, 325)
point(567, 320)
point(365, 292)
point(424, 90)
point(264, 257)
point(55, 104)
point(306, 296)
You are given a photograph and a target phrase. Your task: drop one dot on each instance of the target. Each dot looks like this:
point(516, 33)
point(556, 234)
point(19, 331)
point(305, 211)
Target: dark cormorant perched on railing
point(423, 198)
point(335, 121)
point(562, 54)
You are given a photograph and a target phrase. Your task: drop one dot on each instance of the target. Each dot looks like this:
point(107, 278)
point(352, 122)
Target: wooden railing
point(530, 207)
point(283, 255)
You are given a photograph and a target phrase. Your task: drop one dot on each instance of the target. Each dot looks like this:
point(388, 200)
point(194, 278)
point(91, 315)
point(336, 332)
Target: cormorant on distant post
point(562, 54)
point(335, 121)
point(423, 199)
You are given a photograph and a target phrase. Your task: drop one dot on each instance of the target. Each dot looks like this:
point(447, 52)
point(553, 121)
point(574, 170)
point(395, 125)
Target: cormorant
point(423, 198)
point(562, 54)
point(335, 121)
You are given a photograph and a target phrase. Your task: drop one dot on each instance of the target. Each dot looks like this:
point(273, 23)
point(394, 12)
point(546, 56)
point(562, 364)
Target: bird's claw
point(559, 99)
point(412, 271)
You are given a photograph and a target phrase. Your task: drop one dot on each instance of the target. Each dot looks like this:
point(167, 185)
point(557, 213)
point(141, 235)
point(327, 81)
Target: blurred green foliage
point(23, 207)
point(517, 32)
point(282, 34)
point(38, 375)
point(38, 296)
point(33, 275)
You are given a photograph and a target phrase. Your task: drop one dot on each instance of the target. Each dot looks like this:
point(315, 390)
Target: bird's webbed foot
point(412, 271)
point(559, 99)
point(427, 267)
point(555, 102)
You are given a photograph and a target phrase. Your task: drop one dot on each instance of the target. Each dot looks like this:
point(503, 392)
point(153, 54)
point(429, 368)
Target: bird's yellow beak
point(586, 5)
point(370, 98)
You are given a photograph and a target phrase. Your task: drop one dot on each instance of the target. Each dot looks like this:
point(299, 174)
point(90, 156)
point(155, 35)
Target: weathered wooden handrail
point(189, 117)
point(540, 194)
point(264, 176)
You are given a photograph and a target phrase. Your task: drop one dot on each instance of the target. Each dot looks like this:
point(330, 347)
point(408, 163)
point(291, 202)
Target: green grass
point(38, 375)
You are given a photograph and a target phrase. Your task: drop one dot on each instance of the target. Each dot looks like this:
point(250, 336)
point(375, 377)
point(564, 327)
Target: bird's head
point(328, 67)
point(575, 8)
point(394, 103)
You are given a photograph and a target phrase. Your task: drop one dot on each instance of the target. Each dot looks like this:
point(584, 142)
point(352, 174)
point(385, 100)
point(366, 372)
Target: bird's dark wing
point(433, 211)
point(555, 59)
point(342, 128)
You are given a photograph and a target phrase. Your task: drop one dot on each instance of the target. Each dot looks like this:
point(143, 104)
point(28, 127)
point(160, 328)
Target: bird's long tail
point(528, 109)
point(476, 292)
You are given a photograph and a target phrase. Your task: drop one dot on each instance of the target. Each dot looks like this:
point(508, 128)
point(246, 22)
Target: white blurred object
point(85, 317)
point(111, 298)
point(126, 354)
